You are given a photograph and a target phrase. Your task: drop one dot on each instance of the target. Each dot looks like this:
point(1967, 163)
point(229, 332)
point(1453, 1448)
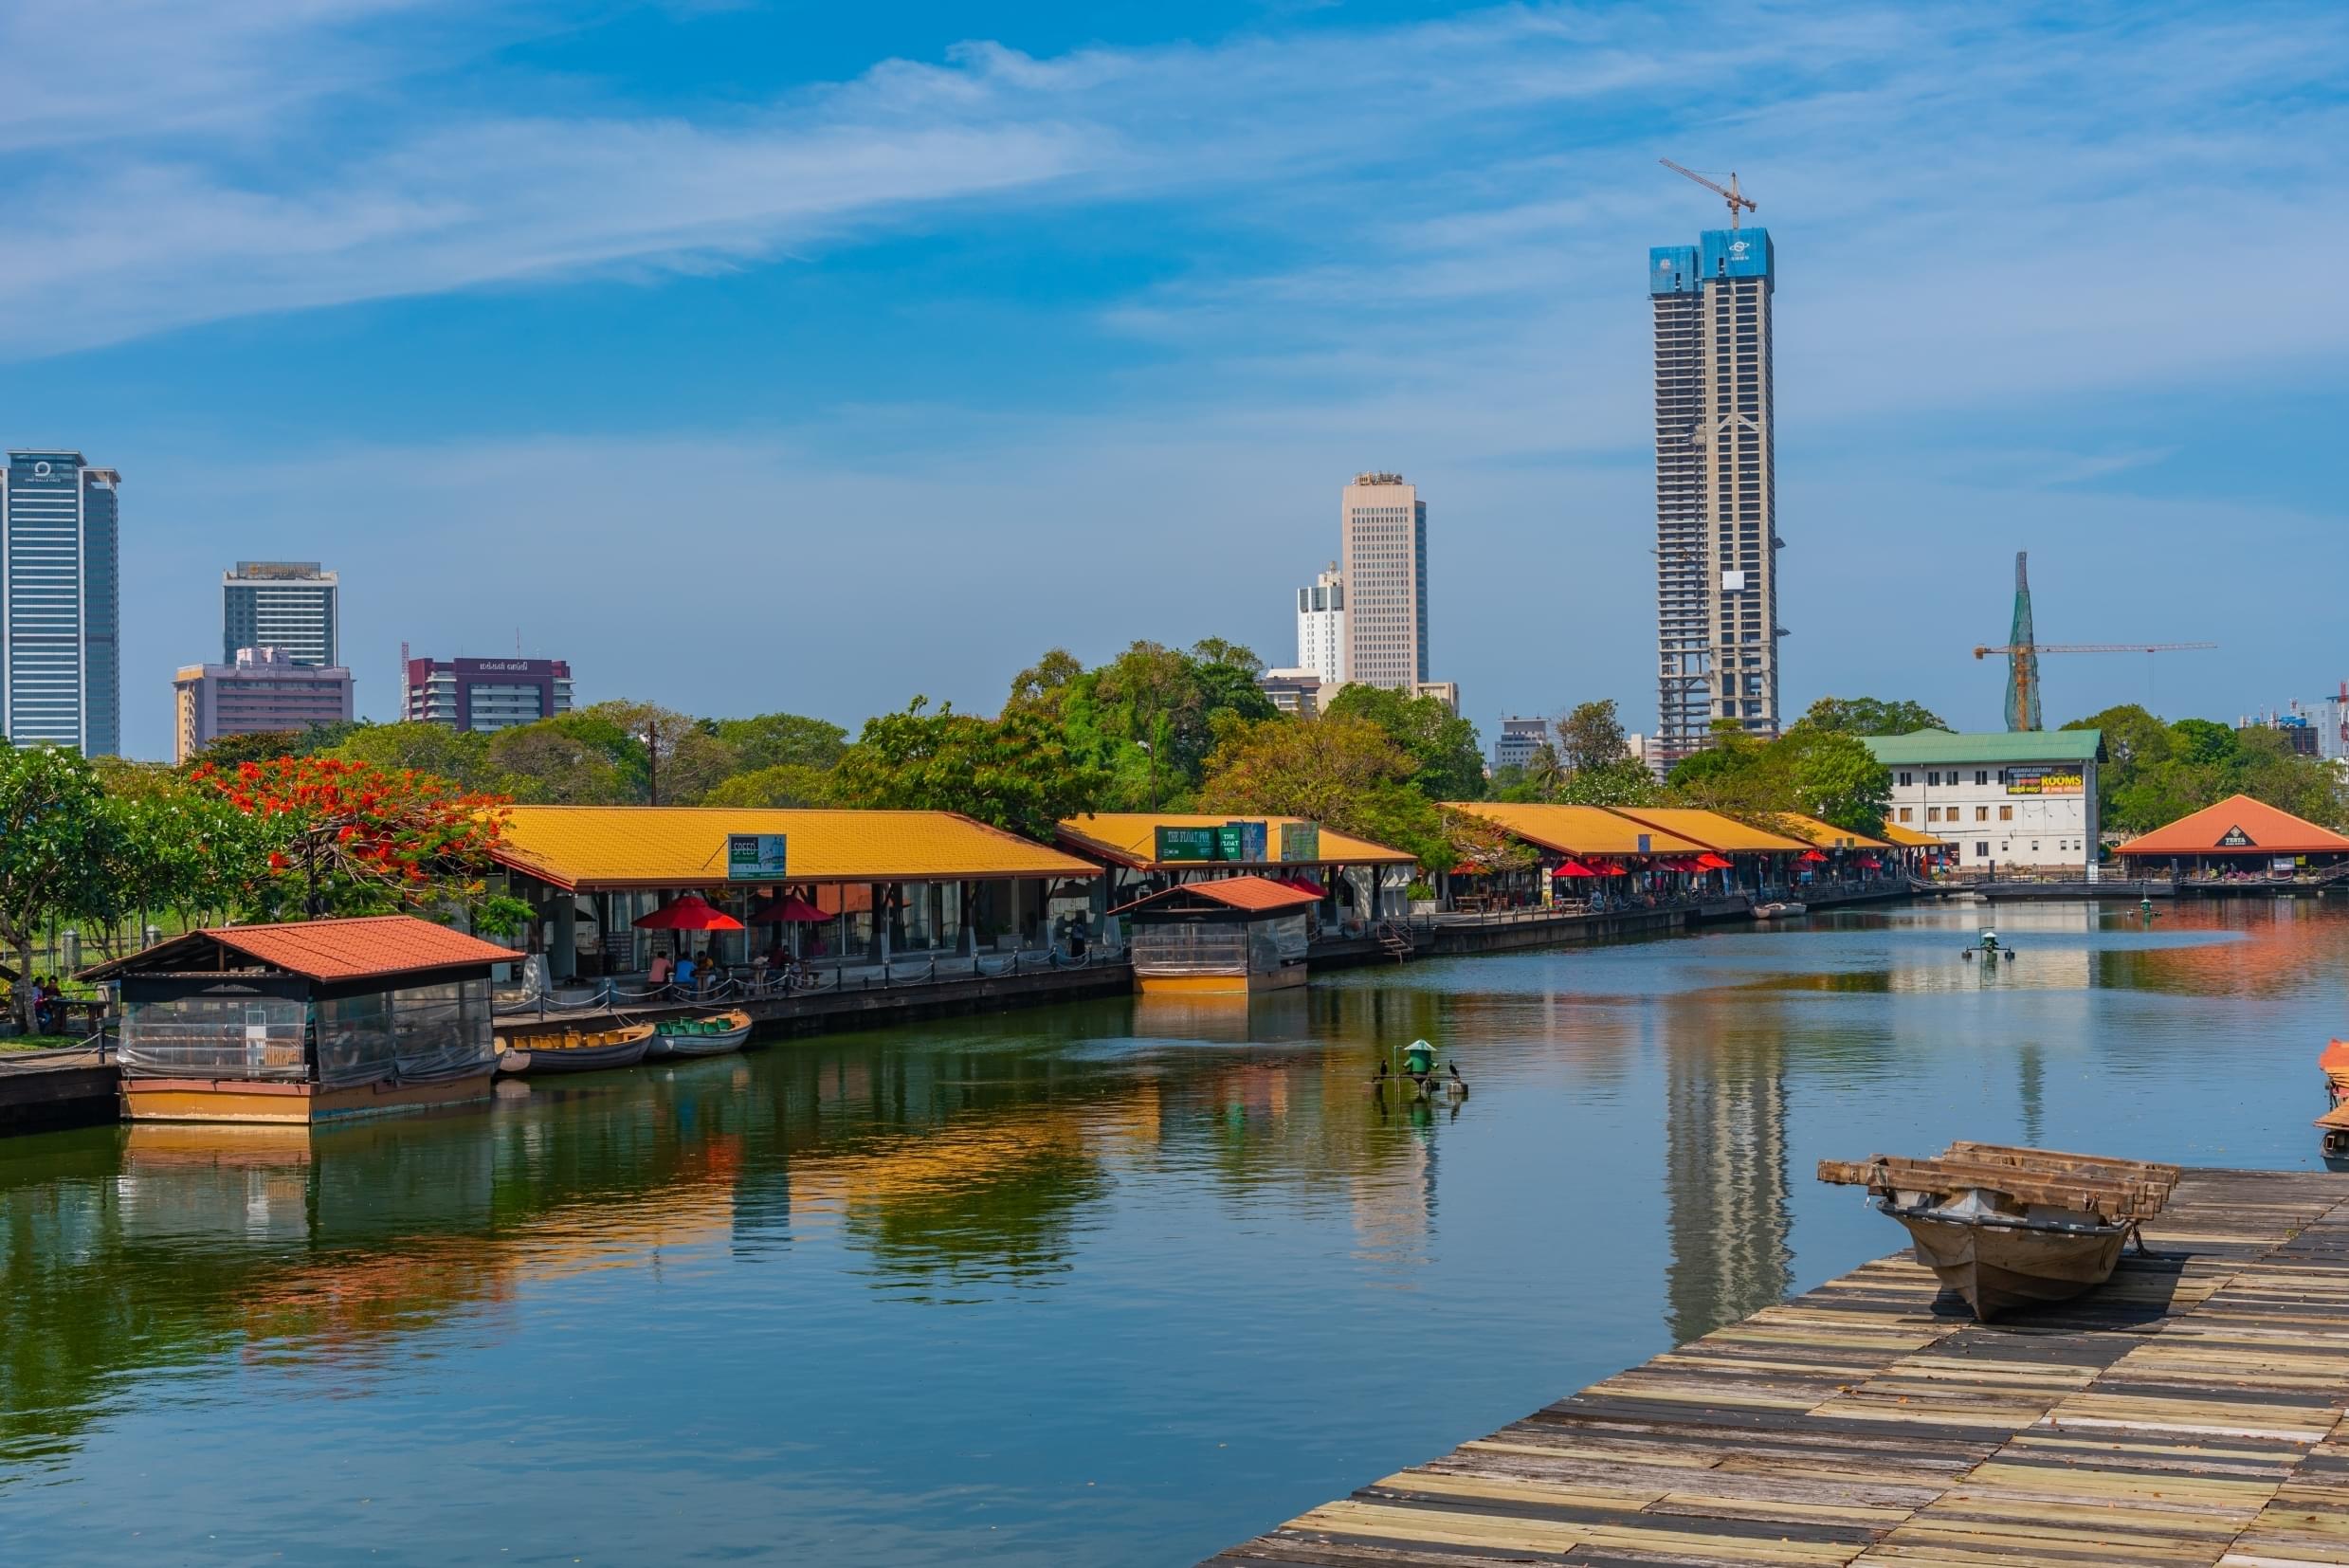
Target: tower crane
point(1735, 197)
point(2023, 670)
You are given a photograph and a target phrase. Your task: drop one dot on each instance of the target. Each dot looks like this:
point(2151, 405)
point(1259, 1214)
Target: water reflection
point(1216, 1180)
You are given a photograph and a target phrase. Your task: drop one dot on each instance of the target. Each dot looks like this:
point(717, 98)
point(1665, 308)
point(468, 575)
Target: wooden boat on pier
point(576, 1051)
point(715, 1035)
point(2008, 1227)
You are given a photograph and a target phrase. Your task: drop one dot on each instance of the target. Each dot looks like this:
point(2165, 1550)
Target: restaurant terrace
point(820, 885)
point(1355, 880)
point(2237, 838)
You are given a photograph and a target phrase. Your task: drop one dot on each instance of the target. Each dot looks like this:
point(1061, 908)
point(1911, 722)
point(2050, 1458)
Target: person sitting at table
point(684, 970)
point(662, 970)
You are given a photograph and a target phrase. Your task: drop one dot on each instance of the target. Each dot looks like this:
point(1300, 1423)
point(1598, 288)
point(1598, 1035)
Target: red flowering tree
point(348, 838)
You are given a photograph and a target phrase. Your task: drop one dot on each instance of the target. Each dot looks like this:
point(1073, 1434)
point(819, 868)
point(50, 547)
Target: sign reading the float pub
point(2235, 838)
point(2043, 781)
point(1301, 841)
point(755, 857)
point(1176, 844)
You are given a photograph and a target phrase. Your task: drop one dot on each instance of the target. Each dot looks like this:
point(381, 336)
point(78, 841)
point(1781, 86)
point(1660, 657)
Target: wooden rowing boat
point(715, 1035)
point(576, 1051)
point(2008, 1227)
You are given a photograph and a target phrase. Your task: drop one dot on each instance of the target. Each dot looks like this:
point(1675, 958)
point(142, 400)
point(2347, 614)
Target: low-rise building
point(1296, 692)
point(1518, 740)
point(483, 693)
point(2019, 799)
point(263, 691)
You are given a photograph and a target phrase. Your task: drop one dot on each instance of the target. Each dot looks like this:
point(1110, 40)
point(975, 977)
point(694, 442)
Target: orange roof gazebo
point(2236, 826)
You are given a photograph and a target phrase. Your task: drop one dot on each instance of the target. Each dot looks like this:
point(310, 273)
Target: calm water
point(1110, 1283)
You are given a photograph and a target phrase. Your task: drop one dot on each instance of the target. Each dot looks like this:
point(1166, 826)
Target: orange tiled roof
point(1255, 894)
point(620, 846)
point(2270, 831)
point(365, 947)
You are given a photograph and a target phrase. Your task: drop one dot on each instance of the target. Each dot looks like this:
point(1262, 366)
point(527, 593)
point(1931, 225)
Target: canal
point(1108, 1282)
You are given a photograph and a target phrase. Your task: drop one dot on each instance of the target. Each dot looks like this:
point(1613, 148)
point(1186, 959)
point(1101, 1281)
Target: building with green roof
point(2003, 800)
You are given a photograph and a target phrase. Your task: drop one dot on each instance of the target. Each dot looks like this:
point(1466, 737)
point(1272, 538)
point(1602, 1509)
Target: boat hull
point(620, 1054)
point(665, 1045)
point(1999, 1268)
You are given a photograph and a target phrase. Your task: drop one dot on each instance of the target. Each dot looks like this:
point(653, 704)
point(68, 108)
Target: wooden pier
point(2191, 1411)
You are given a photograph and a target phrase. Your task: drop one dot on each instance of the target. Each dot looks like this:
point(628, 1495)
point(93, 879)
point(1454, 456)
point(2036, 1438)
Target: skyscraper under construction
point(1716, 541)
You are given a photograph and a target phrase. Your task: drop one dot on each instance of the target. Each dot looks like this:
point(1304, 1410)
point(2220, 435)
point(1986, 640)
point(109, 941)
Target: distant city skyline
point(291, 605)
point(1116, 292)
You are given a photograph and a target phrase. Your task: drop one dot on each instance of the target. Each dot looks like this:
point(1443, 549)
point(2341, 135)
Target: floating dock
point(2191, 1411)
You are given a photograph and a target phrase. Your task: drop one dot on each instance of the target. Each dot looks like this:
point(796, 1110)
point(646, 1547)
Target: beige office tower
point(1385, 526)
point(1717, 511)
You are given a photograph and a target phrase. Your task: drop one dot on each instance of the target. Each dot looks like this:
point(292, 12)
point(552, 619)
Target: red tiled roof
point(1256, 894)
point(365, 947)
point(2270, 832)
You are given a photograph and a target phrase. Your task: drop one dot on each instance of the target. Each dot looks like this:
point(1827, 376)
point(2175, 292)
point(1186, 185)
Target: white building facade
point(1322, 626)
point(2021, 800)
point(1385, 527)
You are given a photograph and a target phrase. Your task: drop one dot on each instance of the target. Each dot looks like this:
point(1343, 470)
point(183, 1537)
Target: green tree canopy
point(1447, 760)
point(56, 840)
point(785, 784)
point(1342, 770)
point(1832, 775)
point(1016, 772)
point(459, 756)
point(1869, 716)
point(1591, 736)
point(783, 739)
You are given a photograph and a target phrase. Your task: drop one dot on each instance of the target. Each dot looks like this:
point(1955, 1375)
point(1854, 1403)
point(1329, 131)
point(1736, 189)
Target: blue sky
point(793, 355)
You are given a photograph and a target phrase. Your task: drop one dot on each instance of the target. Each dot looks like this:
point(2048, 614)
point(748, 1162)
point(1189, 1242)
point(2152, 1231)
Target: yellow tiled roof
point(1713, 830)
point(1910, 838)
point(1130, 838)
point(1577, 830)
point(599, 847)
point(1826, 835)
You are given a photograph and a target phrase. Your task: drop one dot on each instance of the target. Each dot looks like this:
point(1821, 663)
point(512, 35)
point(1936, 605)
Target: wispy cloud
point(1501, 160)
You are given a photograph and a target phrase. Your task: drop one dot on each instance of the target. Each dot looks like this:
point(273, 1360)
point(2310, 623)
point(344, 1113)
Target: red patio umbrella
point(1811, 857)
point(1572, 869)
point(788, 910)
point(1609, 869)
point(1869, 862)
point(691, 913)
point(1711, 861)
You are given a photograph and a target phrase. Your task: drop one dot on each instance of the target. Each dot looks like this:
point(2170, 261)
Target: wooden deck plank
point(2195, 1410)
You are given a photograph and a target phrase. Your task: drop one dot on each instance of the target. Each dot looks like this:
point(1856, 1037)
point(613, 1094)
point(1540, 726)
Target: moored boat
point(1778, 910)
point(715, 1035)
point(576, 1051)
point(2007, 1227)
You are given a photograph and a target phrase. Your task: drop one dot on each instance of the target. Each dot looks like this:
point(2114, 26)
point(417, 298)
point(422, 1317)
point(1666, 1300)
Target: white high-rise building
point(60, 674)
point(1322, 626)
point(1717, 540)
point(290, 606)
point(1385, 526)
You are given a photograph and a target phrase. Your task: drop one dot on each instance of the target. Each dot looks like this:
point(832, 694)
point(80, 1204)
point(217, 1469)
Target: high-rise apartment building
point(1385, 526)
point(1322, 626)
point(291, 605)
point(1518, 740)
point(1716, 541)
point(61, 671)
point(483, 693)
point(262, 691)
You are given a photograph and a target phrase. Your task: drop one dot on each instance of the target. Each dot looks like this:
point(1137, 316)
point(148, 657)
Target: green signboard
point(1301, 841)
point(756, 857)
point(1244, 842)
point(1185, 844)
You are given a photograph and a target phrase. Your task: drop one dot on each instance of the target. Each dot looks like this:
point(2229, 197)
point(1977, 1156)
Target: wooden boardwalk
point(2192, 1411)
